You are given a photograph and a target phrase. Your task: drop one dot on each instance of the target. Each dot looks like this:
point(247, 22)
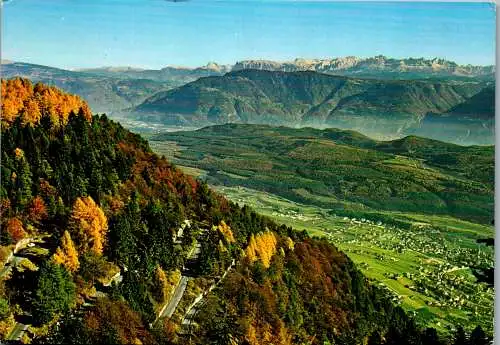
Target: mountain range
point(114, 88)
point(379, 108)
point(103, 93)
point(169, 73)
point(377, 66)
point(379, 96)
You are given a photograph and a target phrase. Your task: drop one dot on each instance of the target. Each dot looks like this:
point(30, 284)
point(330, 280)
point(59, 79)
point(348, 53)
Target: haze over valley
point(435, 98)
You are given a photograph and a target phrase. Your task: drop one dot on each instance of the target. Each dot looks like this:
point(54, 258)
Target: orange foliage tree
point(37, 210)
point(67, 254)
point(15, 229)
point(14, 93)
point(89, 225)
point(21, 99)
point(31, 113)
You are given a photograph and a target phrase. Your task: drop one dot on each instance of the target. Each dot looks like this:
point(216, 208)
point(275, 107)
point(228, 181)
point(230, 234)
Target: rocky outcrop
point(376, 64)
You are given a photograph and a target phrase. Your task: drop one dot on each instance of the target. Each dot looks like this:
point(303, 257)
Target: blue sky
point(156, 33)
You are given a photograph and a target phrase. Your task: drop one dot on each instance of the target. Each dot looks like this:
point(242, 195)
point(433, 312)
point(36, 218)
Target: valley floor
point(427, 268)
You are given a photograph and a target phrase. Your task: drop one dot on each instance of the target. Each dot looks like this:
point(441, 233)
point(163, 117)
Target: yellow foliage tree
point(89, 224)
point(66, 254)
point(226, 231)
point(263, 247)
point(19, 153)
point(251, 250)
point(20, 98)
point(165, 283)
point(6, 325)
point(160, 280)
point(251, 335)
point(267, 333)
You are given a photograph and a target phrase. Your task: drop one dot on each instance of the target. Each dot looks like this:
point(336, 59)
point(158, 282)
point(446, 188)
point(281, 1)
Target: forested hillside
point(96, 230)
point(344, 170)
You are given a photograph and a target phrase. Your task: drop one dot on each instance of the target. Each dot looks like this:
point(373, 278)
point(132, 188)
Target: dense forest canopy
point(91, 245)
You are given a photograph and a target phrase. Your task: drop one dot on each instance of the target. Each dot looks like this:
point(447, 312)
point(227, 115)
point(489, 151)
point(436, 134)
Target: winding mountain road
point(169, 308)
point(17, 332)
point(187, 319)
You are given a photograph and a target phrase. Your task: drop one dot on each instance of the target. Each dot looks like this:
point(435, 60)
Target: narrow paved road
point(19, 328)
point(176, 298)
point(187, 320)
point(169, 309)
point(17, 332)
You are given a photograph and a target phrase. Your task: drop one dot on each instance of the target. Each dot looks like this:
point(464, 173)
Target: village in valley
point(427, 266)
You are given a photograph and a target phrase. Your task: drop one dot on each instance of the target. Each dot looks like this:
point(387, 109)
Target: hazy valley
point(380, 97)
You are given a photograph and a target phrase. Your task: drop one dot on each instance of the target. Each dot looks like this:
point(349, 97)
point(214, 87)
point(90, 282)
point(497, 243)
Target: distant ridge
point(379, 66)
point(373, 66)
point(379, 108)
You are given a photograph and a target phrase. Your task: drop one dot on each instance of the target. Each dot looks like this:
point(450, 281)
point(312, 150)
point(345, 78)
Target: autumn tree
point(263, 247)
point(15, 229)
point(31, 113)
point(4, 208)
point(114, 322)
point(251, 250)
point(164, 283)
point(14, 93)
point(37, 209)
point(21, 99)
point(226, 231)
point(159, 280)
point(21, 179)
point(66, 254)
point(89, 225)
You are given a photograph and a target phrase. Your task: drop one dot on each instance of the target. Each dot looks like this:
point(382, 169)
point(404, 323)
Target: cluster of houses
point(442, 266)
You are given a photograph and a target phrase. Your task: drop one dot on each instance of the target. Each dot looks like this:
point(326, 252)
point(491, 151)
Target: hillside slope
point(332, 167)
point(93, 248)
point(375, 107)
point(470, 122)
point(104, 93)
